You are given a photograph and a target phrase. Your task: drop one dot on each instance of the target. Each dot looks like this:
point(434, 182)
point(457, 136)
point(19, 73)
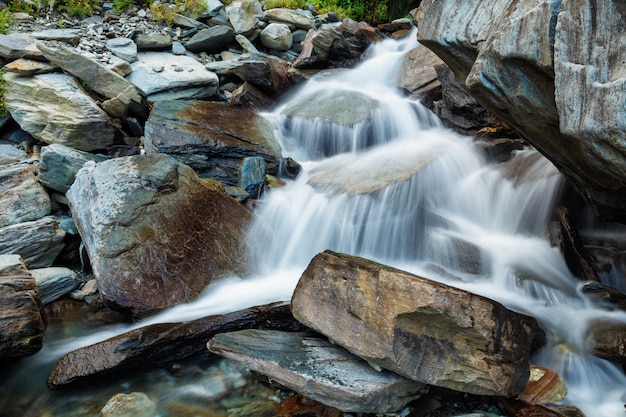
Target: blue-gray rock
point(211, 40)
point(38, 242)
point(54, 282)
point(63, 113)
point(211, 137)
point(178, 48)
point(244, 15)
point(28, 67)
point(22, 198)
point(175, 77)
point(123, 48)
point(152, 41)
point(10, 154)
point(298, 19)
point(251, 174)
point(71, 36)
point(59, 165)
point(536, 65)
point(19, 45)
point(214, 7)
point(317, 369)
point(148, 247)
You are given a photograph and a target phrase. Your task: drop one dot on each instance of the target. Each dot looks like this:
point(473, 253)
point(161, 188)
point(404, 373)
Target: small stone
point(178, 48)
point(135, 404)
point(545, 386)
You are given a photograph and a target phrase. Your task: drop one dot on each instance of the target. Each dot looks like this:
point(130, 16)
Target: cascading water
point(384, 180)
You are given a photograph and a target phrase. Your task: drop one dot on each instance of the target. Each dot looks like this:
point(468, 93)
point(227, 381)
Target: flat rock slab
point(317, 369)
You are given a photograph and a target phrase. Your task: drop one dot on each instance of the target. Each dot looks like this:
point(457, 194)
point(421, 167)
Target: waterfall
point(383, 179)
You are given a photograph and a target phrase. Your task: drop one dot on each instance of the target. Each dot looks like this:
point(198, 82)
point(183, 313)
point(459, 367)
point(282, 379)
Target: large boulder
point(63, 112)
point(212, 138)
point(156, 234)
point(421, 329)
point(553, 70)
point(22, 324)
point(22, 197)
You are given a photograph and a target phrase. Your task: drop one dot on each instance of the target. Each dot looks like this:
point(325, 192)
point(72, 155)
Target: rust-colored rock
point(421, 329)
point(607, 339)
point(545, 386)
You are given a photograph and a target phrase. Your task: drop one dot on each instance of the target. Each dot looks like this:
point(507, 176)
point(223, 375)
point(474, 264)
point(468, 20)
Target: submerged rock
point(212, 138)
point(156, 234)
point(22, 324)
point(424, 330)
point(317, 369)
point(135, 404)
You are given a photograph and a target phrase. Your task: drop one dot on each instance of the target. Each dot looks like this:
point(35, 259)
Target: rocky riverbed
point(122, 131)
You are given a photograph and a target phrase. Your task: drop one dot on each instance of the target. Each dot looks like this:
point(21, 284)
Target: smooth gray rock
point(22, 323)
point(63, 113)
point(290, 17)
point(10, 154)
point(119, 66)
point(178, 48)
point(551, 69)
point(19, 45)
point(38, 242)
point(148, 247)
point(59, 165)
point(211, 40)
point(246, 45)
point(418, 76)
point(103, 81)
point(22, 198)
point(28, 67)
point(277, 36)
point(347, 108)
point(71, 36)
point(54, 282)
point(187, 22)
point(152, 41)
point(123, 48)
point(318, 370)
point(179, 77)
point(214, 7)
point(211, 137)
point(244, 15)
point(425, 330)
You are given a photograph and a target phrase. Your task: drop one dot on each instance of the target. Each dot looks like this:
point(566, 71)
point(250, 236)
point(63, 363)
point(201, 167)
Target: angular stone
point(63, 113)
point(19, 45)
point(212, 138)
point(250, 97)
point(22, 324)
point(317, 369)
point(244, 15)
point(153, 41)
point(119, 66)
point(418, 76)
point(59, 165)
point(211, 40)
point(277, 36)
point(10, 154)
point(246, 45)
point(148, 246)
point(187, 22)
point(290, 17)
point(38, 242)
point(22, 198)
point(158, 345)
point(123, 48)
point(181, 77)
point(545, 386)
point(251, 174)
point(424, 330)
point(54, 282)
point(28, 67)
point(103, 81)
point(71, 36)
point(267, 73)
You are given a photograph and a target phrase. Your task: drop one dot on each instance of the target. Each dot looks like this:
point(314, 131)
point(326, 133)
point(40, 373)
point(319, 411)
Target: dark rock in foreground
point(317, 369)
point(160, 344)
point(424, 330)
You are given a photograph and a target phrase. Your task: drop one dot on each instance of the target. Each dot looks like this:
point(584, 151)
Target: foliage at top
point(371, 11)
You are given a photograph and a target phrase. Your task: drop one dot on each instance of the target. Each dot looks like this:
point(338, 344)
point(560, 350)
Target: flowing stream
point(397, 187)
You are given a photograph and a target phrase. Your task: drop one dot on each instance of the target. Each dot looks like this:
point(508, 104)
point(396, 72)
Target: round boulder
point(277, 36)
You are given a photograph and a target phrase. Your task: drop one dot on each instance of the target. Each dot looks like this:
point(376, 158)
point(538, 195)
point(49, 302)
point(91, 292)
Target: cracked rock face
point(554, 70)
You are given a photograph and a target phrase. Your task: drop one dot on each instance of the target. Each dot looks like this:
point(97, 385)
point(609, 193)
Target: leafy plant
point(120, 6)
point(164, 12)
point(78, 7)
point(3, 105)
point(371, 11)
point(6, 21)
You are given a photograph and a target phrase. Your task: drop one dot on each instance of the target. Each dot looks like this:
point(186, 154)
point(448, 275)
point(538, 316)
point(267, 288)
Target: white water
point(457, 204)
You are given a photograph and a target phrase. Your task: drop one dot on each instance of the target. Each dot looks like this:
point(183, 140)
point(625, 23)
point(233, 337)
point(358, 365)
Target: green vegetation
point(120, 6)
point(371, 11)
point(5, 21)
point(3, 105)
point(164, 12)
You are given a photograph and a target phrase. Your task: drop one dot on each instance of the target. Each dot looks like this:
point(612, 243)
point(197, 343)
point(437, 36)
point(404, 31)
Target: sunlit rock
point(418, 76)
point(296, 18)
point(63, 113)
point(19, 45)
point(277, 36)
point(422, 329)
point(212, 138)
point(545, 386)
point(164, 76)
point(38, 242)
point(22, 323)
point(551, 69)
point(22, 198)
point(317, 369)
point(244, 15)
point(156, 234)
